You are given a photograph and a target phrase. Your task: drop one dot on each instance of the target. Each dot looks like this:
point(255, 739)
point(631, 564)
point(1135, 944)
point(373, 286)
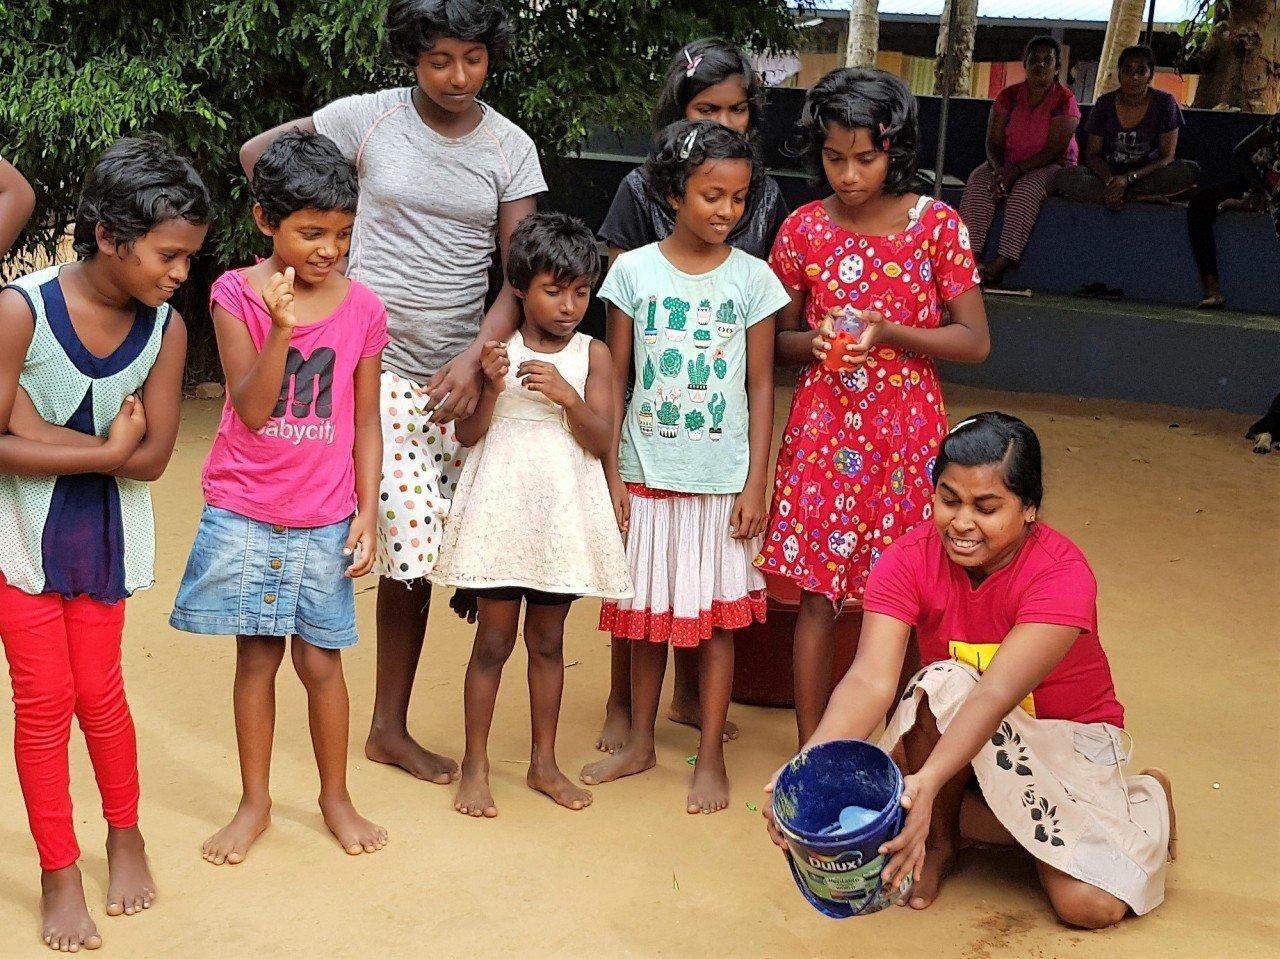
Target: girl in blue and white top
point(688, 480)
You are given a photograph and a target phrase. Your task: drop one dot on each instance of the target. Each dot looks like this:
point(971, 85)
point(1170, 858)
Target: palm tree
point(1240, 64)
point(1123, 30)
point(864, 33)
point(959, 47)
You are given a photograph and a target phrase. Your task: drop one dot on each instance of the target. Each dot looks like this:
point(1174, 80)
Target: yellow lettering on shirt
point(979, 656)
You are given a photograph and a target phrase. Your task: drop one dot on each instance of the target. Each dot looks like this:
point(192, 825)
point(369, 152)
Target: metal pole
point(1151, 21)
point(948, 81)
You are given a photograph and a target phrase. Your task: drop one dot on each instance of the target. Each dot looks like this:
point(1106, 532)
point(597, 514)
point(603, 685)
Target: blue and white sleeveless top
point(85, 535)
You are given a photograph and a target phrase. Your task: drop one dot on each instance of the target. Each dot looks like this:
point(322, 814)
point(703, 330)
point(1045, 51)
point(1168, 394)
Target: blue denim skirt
point(248, 578)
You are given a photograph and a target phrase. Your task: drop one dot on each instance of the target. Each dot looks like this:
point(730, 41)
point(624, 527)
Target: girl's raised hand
point(539, 377)
point(278, 295)
point(495, 362)
point(361, 541)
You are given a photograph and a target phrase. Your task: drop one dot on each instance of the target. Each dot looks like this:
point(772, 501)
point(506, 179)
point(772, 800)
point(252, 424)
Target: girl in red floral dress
point(853, 471)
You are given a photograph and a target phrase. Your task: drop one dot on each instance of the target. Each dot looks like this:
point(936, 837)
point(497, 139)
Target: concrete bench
point(1144, 251)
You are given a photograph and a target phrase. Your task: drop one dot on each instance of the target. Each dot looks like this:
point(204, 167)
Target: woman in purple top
point(1030, 137)
point(1133, 135)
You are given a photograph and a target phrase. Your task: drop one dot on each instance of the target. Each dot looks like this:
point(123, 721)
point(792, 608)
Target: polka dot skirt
point(421, 463)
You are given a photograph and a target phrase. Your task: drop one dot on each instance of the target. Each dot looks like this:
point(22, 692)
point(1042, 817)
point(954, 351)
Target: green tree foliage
point(209, 74)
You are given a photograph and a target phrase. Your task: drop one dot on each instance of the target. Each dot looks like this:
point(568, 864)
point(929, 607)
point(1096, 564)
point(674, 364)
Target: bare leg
point(814, 649)
point(979, 824)
point(253, 697)
point(544, 638)
point(496, 628)
point(648, 664)
point(1077, 903)
point(944, 827)
point(329, 714)
point(686, 707)
point(617, 709)
point(402, 625)
point(710, 789)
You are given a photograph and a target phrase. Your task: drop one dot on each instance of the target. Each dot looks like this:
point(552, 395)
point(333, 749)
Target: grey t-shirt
point(427, 222)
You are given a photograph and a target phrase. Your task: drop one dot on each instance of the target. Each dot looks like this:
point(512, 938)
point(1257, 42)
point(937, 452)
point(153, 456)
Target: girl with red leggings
point(83, 346)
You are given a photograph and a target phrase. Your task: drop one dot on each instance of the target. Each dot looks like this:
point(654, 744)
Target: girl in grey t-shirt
point(444, 178)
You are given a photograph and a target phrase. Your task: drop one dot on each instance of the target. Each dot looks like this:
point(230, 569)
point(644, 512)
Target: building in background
point(909, 34)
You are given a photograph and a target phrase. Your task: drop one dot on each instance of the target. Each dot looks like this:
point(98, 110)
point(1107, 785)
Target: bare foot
point(627, 761)
point(231, 843)
point(474, 797)
point(403, 751)
point(1160, 776)
point(547, 778)
point(617, 727)
point(938, 860)
point(354, 833)
point(710, 790)
point(65, 922)
point(130, 888)
point(691, 715)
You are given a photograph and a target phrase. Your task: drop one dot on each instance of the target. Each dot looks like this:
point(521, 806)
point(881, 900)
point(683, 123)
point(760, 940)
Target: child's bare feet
point(474, 797)
point(938, 860)
point(617, 727)
point(65, 922)
point(354, 833)
point(627, 761)
point(130, 888)
point(690, 714)
point(710, 789)
point(231, 843)
point(401, 749)
point(547, 778)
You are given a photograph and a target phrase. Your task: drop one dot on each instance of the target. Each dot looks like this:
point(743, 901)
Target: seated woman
point(1011, 733)
point(1255, 188)
point(1133, 135)
point(1030, 137)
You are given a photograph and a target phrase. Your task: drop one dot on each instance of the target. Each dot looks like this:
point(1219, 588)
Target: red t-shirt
point(1027, 130)
point(1049, 581)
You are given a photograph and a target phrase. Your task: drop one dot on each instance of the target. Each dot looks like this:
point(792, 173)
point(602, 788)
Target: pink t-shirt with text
point(1027, 130)
point(297, 470)
point(1048, 581)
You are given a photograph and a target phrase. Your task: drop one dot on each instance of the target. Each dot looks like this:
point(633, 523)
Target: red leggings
point(64, 658)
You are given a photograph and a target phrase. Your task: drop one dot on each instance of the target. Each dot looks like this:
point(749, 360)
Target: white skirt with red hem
point(691, 576)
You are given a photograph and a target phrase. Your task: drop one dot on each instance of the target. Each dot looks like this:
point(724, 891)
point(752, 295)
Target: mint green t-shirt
point(686, 425)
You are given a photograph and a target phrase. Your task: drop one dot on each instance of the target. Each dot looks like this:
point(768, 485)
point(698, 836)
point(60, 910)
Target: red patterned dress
point(854, 469)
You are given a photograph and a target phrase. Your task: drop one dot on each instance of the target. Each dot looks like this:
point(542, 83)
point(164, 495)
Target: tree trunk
point(1240, 66)
point(960, 47)
point(864, 34)
point(1124, 30)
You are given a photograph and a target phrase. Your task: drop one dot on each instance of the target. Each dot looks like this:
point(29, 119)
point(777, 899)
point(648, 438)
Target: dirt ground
point(1180, 524)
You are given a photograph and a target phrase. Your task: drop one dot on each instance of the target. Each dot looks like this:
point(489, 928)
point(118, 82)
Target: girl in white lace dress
point(532, 520)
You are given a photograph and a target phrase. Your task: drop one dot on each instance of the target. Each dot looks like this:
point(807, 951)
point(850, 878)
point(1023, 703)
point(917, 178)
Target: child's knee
point(46, 707)
point(544, 644)
point(316, 666)
point(492, 648)
point(1087, 907)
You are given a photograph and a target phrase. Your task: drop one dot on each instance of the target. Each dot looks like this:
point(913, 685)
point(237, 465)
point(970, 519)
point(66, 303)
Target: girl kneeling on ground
point(1026, 747)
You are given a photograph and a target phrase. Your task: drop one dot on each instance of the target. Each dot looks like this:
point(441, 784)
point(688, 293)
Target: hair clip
point(693, 63)
point(884, 138)
point(961, 425)
point(686, 148)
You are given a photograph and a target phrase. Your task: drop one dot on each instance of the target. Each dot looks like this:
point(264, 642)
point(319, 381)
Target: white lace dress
point(532, 508)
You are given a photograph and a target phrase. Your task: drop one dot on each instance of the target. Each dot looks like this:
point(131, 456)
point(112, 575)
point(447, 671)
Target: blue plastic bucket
point(839, 871)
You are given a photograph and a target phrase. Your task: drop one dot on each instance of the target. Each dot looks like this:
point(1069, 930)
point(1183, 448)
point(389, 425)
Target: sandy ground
point(1181, 527)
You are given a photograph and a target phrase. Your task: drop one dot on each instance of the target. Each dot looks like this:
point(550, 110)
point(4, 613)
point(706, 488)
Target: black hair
point(554, 243)
point(997, 438)
point(300, 171)
point(137, 184)
point(713, 61)
point(1138, 52)
point(682, 147)
point(414, 26)
point(868, 99)
point(1043, 42)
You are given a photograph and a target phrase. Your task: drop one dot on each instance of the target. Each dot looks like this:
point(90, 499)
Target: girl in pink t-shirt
point(291, 484)
point(1015, 695)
